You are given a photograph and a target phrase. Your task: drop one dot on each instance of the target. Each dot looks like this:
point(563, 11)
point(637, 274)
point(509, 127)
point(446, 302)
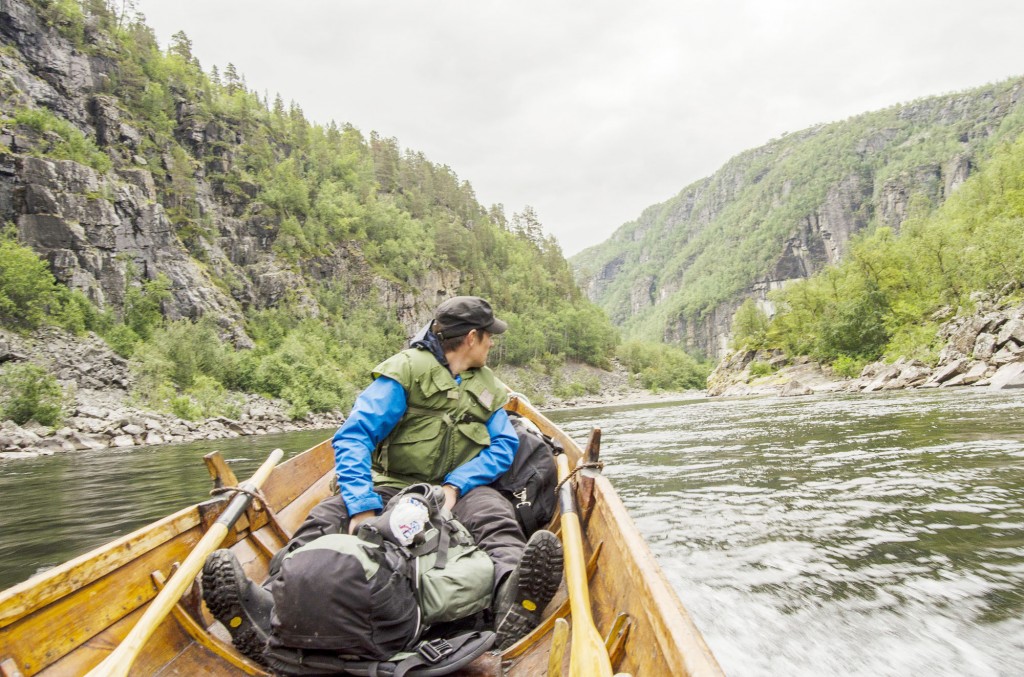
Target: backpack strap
point(444, 656)
point(441, 560)
point(430, 659)
point(524, 510)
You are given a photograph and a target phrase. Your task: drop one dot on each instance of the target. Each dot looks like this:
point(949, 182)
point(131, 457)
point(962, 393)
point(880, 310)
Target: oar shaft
point(556, 656)
point(588, 656)
point(119, 662)
point(575, 567)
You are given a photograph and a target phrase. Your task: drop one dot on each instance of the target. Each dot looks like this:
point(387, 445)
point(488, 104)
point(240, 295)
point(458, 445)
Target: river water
point(825, 535)
point(841, 535)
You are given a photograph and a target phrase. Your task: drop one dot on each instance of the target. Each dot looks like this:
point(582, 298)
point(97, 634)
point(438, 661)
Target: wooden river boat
point(68, 619)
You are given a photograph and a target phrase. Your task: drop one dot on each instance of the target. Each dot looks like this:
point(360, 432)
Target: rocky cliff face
point(785, 210)
point(102, 231)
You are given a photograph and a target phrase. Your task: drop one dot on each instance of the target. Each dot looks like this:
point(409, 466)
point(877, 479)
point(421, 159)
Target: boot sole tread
point(540, 574)
point(220, 592)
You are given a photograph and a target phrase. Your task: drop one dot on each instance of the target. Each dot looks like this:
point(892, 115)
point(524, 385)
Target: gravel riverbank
point(99, 409)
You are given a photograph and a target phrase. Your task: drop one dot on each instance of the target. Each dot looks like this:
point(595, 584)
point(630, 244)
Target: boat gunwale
point(687, 644)
point(64, 579)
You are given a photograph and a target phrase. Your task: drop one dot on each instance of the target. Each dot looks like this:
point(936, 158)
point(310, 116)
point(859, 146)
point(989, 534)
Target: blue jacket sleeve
point(490, 463)
point(375, 414)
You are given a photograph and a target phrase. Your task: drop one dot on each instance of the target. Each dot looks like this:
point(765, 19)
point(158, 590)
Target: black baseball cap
point(460, 315)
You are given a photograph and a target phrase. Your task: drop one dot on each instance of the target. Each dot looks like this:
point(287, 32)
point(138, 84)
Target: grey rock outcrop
point(1009, 376)
point(795, 388)
point(103, 232)
point(949, 371)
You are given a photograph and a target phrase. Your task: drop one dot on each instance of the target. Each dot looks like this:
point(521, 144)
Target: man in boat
point(433, 413)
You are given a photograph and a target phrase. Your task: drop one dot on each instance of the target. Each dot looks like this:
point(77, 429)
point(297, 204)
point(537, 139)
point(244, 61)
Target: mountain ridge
point(786, 209)
point(121, 162)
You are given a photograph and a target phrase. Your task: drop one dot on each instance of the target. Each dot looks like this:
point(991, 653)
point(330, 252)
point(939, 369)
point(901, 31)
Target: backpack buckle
point(435, 650)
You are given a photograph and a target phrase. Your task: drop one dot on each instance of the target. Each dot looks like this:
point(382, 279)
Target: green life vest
point(445, 423)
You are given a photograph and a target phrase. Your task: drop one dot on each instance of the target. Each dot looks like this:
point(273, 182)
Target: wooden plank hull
point(66, 620)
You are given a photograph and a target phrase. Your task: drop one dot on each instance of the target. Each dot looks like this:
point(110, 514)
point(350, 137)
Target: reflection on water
point(852, 535)
point(57, 507)
point(846, 535)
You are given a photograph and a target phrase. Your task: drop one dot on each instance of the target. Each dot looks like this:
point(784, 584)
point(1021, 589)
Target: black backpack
point(351, 604)
point(530, 483)
point(342, 593)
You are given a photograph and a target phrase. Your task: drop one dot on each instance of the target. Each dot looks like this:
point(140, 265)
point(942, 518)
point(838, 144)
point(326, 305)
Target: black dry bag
point(530, 482)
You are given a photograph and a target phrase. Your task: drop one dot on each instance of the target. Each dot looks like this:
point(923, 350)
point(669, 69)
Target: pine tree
point(231, 80)
point(181, 46)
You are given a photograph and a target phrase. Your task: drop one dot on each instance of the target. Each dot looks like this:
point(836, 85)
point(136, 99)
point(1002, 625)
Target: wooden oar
point(588, 656)
point(120, 660)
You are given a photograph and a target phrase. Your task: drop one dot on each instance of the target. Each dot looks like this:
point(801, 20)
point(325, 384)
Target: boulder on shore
point(794, 389)
point(1008, 376)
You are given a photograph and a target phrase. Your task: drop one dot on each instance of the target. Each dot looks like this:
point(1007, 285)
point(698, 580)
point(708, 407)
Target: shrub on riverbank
point(29, 392)
point(182, 369)
point(30, 296)
point(662, 367)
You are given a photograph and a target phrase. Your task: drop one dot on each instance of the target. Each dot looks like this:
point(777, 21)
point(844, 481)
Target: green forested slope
point(312, 195)
point(889, 296)
point(788, 208)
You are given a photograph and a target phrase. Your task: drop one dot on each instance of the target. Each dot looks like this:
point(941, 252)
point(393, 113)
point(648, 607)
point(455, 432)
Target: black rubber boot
point(522, 597)
point(239, 604)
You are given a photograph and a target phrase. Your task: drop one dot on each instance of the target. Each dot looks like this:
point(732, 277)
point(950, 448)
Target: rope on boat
point(597, 465)
point(258, 499)
point(259, 504)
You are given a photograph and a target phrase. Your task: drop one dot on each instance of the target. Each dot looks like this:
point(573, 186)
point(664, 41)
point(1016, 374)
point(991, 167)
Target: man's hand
point(451, 495)
point(358, 519)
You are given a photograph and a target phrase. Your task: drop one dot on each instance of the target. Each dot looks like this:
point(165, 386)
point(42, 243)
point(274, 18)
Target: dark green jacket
point(445, 423)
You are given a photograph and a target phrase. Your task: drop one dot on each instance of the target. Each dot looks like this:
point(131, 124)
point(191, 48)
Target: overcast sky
point(590, 111)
